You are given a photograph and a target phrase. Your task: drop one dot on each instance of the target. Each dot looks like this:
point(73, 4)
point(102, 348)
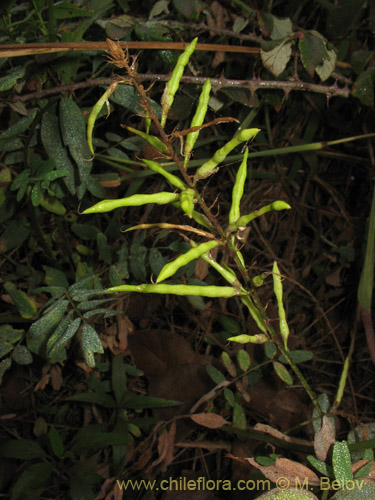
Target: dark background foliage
point(89, 384)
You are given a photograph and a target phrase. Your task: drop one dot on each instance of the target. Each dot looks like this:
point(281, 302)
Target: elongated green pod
point(226, 273)
point(238, 188)
point(187, 202)
point(174, 81)
point(210, 167)
point(198, 119)
point(255, 314)
point(172, 267)
point(172, 179)
point(276, 205)
point(260, 338)
point(95, 111)
point(136, 200)
point(199, 291)
point(154, 141)
point(278, 289)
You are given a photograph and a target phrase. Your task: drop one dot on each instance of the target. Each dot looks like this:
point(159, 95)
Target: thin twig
point(217, 83)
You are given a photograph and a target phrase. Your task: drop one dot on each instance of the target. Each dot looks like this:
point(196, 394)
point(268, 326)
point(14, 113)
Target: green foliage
point(61, 260)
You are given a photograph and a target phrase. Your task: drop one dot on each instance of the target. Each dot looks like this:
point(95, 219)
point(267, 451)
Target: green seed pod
point(172, 267)
point(187, 202)
point(162, 198)
point(174, 81)
point(198, 119)
point(276, 205)
point(197, 291)
point(210, 167)
point(154, 141)
point(95, 111)
point(225, 272)
point(278, 289)
point(255, 314)
point(172, 179)
point(238, 189)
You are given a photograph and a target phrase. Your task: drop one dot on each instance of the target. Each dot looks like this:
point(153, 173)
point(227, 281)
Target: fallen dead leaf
point(56, 377)
point(209, 420)
point(294, 472)
point(324, 439)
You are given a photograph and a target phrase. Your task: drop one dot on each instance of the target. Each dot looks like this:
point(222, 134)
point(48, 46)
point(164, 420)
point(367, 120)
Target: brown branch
point(26, 49)
point(217, 83)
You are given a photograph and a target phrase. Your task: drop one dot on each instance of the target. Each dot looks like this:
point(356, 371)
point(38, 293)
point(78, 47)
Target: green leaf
point(327, 67)
point(91, 344)
point(229, 396)
point(21, 355)
point(57, 444)
point(52, 204)
point(141, 402)
point(37, 335)
point(362, 491)
point(190, 10)
point(282, 27)
point(215, 374)
point(313, 51)
point(5, 347)
point(276, 60)
point(298, 356)
point(36, 194)
point(282, 372)
point(73, 130)
point(288, 494)
point(126, 96)
point(55, 277)
point(51, 139)
point(239, 417)
point(26, 306)
point(33, 479)
point(243, 359)
point(60, 338)
point(67, 10)
point(7, 82)
point(95, 398)
point(156, 260)
point(10, 334)
point(321, 467)
point(341, 462)
point(23, 449)
point(5, 364)
point(19, 127)
point(85, 231)
point(97, 440)
point(228, 363)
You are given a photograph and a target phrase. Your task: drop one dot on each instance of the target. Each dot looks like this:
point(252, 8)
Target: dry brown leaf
point(267, 429)
point(43, 382)
point(294, 472)
point(56, 377)
point(143, 460)
point(323, 439)
point(206, 445)
point(210, 420)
